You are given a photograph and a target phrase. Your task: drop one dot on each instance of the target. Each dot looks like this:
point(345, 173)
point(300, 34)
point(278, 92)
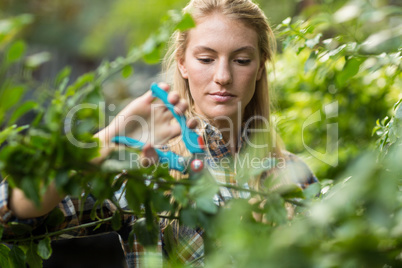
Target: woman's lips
point(221, 96)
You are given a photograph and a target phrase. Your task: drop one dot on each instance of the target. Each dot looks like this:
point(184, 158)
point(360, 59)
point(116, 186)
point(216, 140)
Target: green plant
point(352, 220)
point(337, 74)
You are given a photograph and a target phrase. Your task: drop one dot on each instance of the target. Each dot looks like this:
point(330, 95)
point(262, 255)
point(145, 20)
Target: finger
point(173, 98)
point(164, 86)
point(175, 129)
point(148, 155)
point(181, 107)
point(192, 123)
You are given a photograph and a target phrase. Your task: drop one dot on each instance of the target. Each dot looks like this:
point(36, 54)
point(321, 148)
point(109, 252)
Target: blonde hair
point(252, 16)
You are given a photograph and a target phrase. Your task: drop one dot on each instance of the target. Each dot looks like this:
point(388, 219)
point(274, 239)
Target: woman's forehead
point(218, 30)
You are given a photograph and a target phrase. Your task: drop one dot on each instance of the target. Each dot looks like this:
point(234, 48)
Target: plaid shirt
point(190, 242)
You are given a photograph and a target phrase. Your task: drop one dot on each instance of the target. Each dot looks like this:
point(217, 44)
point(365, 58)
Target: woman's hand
point(145, 119)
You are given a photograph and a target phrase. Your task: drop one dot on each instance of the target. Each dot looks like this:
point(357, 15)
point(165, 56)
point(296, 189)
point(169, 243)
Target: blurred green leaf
point(154, 56)
point(62, 76)
point(10, 27)
point(351, 68)
point(32, 257)
point(135, 194)
point(290, 191)
point(188, 217)
point(6, 133)
point(21, 110)
point(145, 236)
point(16, 51)
point(180, 195)
point(31, 189)
point(312, 191)
point(186, 23)
point(79, 83)
point(311, 43)
point(17, 257)
point(10, 97)
point(4, 253)
point(116, 220)
point(35, 60)
point(44, 248)
point(20, 228)
point(54, 218)
point(127, 71)
point(206, 204)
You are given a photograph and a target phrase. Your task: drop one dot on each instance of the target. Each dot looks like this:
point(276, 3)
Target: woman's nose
point(223, 74)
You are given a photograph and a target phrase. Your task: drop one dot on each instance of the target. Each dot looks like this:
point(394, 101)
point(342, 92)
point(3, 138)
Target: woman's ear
point(182, 68)
point(261, 71)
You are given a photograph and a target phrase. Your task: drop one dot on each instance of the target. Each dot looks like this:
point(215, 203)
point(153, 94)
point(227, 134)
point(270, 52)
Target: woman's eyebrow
point(245, 49)
point(204, 48)
point(241, 49)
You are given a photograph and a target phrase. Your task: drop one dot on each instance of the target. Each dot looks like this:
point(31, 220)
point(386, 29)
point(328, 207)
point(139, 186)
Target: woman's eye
point(243, 61)
point(205, 60)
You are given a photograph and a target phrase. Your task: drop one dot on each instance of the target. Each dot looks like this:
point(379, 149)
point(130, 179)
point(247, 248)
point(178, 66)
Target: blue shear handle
point(174, 161)
point(190, 137)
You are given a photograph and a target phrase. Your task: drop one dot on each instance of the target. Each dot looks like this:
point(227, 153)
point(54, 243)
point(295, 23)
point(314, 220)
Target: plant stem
point(85, 225)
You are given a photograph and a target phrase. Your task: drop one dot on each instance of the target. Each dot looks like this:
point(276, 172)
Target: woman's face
point(222, 64)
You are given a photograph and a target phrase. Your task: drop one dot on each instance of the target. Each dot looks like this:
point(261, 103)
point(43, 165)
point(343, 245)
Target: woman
point(220, 70)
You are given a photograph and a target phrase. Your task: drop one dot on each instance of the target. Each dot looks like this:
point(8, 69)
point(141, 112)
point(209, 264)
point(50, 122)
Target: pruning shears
point(193, 142)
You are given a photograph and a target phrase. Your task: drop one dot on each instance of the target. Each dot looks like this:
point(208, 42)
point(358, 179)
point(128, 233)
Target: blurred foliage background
point(337, 81)
point(311, 70)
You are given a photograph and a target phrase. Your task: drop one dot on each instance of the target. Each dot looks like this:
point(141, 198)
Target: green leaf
point(274, 210)
point(186, 23)
point(290, 191)
point(310, 62)
point(154, 56)
point(11, 96)
point(188, 217)
point(20, 228)
point(62, 75)
point(312, 191)
point(170, 242)
point(16, 51)
point(79, 83)
point(206, 204)
point(22, 110)
point(61, 179)
point(116, 220)
point(161, 202)
point(32, 258)
point(45, 248)
point(4, 260)
point(286, 22)
point(311, 43)
point(54, 218)
point(31, 189)
point(17, 257)
point(127, 71)
point(135, 194)
point(97, 227)
point(34, 61)
point(4, 134)
point(180, 195)
point(350, 69)
point(146, 236)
